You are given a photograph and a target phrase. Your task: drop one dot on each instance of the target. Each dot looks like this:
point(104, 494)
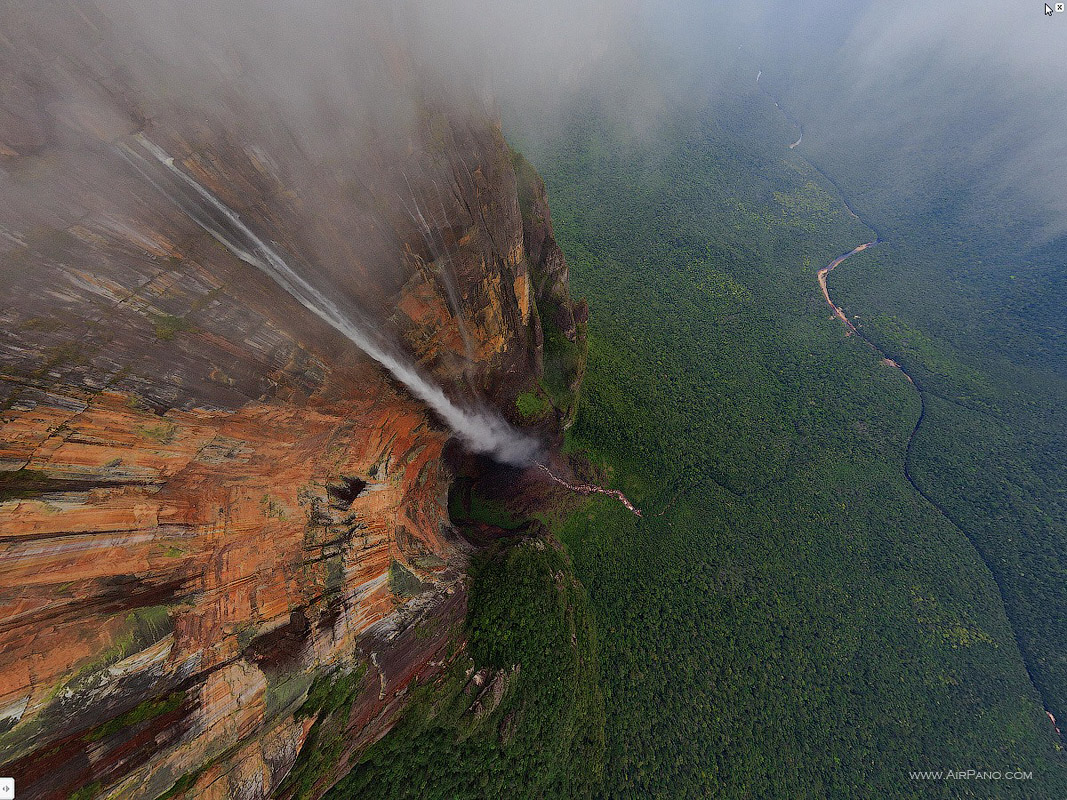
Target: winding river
point(826, 294)
point(908, 455)
point(850, 328)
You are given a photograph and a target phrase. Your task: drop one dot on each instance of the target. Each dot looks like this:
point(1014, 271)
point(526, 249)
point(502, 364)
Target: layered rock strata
point(211, 503)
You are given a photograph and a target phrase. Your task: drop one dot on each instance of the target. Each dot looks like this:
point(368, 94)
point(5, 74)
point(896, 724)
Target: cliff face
point(211, 503)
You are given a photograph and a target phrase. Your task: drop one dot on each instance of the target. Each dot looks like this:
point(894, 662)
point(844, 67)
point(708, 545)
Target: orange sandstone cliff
point(211, 503)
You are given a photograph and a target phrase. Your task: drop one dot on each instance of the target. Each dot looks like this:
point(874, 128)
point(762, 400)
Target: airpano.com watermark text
point(972, 775)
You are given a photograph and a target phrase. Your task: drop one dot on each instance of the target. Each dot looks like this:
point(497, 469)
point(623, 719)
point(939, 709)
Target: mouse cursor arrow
point(1048, 10)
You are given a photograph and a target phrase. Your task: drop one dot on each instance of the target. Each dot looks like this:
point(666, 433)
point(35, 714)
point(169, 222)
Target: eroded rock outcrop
point(210, 502)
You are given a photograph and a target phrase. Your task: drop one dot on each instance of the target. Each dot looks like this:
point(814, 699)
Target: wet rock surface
point(204, 490)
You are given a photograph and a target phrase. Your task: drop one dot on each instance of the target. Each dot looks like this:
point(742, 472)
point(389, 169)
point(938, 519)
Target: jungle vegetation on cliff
point(791, 618)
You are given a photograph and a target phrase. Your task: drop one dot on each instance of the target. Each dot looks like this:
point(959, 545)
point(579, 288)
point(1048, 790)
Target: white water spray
point(482, 430)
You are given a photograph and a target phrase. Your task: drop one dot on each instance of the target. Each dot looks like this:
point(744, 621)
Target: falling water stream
point(481, 430)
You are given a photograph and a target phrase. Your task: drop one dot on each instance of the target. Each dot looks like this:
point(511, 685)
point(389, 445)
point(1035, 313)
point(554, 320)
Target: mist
point(955, 99)
point(346, 85)
point(960, 99)
point(897, 71)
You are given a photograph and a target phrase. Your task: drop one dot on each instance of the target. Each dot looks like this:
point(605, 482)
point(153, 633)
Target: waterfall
point(482, 430)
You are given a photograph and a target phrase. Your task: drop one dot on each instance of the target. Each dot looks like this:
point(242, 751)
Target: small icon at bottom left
point(7, 789)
